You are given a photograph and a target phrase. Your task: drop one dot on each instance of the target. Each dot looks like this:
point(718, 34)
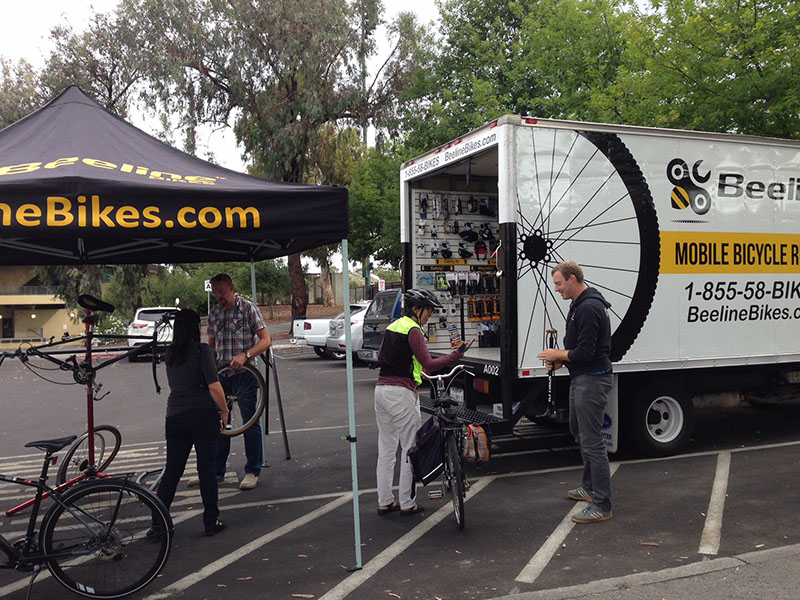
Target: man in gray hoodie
point(587, 342)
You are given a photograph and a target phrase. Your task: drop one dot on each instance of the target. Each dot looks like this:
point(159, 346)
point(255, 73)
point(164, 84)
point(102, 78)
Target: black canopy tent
point(79, 185)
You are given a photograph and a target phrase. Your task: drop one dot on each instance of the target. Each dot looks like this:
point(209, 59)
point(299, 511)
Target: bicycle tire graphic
point(582, 197)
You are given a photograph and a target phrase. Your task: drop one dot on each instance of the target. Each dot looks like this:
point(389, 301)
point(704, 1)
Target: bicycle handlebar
point(452, 372)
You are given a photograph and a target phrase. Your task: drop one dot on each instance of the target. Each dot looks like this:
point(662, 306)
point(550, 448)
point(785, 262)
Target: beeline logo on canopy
point(687, 191)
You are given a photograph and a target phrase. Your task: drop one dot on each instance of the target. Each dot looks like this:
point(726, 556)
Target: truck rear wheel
point(658, 419)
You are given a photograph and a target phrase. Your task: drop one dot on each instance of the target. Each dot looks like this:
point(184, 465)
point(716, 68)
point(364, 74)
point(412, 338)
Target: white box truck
point(693, 237)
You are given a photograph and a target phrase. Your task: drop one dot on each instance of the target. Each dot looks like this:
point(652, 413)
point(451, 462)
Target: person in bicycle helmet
point(402, 358)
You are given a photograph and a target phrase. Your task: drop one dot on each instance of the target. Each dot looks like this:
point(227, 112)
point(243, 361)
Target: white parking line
point(384, 558)
point(545, 554)
point(227, 560)
point(712, 531)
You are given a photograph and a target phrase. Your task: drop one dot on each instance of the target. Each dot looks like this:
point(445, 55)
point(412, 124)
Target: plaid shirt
point(234, 329)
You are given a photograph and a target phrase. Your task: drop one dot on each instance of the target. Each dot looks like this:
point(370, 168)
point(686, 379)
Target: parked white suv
point(143, 323)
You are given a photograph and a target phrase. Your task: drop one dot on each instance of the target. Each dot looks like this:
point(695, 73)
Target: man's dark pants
point(588, 396)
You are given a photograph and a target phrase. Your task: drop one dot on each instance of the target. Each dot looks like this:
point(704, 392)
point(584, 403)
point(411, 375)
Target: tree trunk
point(328, 297)
point(299, 289)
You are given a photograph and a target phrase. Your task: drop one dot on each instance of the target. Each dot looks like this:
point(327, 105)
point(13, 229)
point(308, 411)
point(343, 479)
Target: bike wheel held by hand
point(246, 395)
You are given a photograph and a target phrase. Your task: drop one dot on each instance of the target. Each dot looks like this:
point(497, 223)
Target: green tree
point(532, 57)
point(716, 65)
point(333, 154)
point(281, 70)
point(98, 60)
point(72, 281)
point(375, 208)
point(19, 91)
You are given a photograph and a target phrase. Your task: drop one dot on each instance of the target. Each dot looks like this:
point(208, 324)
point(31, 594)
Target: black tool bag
point(427, 454)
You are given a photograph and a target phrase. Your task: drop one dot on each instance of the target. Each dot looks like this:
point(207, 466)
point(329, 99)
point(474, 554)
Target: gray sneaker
point(592, 514)
point(580, 494)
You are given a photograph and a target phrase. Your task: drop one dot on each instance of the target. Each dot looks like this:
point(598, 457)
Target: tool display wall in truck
point(692, 237)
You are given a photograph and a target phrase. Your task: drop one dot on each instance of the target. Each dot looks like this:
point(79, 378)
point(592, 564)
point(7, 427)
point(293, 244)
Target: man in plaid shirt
point(237, 332)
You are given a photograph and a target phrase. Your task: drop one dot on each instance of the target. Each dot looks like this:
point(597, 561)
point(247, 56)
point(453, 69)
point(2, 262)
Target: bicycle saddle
point(445, 401)
point(52, 445)
point(92, 303)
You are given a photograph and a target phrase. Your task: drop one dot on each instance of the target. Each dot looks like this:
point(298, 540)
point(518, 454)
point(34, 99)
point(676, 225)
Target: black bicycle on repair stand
point(105, 538)
point(91, 453)
point(454, 476)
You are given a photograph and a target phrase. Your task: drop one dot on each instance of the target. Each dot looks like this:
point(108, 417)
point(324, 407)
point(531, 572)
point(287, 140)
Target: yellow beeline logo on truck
point(714, 252)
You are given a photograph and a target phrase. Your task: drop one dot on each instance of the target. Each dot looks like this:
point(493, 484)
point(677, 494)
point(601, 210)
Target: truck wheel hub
point(535, 247)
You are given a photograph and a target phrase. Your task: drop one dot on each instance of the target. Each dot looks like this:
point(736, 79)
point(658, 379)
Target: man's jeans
point(588, 396)
point(247, 385)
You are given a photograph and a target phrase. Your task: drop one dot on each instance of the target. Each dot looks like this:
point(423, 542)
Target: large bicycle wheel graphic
point(582, 197)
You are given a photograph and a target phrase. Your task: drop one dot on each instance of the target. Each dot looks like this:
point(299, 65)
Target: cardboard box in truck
point(692, 237)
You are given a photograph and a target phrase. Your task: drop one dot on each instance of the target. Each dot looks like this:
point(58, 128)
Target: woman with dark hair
point(196, 413)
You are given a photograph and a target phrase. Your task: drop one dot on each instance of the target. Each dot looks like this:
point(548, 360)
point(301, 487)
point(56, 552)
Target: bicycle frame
point(43, 491)
point(48, 491)
point(84, 373)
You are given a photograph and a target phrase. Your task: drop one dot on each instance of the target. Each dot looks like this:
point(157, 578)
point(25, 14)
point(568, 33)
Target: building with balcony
point(29, 311)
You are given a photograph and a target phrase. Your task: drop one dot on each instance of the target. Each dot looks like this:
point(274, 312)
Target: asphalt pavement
point(716, 522)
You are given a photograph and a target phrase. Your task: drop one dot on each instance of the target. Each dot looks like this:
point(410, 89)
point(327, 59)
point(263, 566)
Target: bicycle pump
point(550, 410)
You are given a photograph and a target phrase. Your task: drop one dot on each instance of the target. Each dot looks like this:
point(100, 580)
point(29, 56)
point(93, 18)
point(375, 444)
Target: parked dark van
point(386, 306)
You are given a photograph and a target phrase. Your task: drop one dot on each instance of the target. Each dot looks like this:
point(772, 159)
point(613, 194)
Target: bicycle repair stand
point(270, 365)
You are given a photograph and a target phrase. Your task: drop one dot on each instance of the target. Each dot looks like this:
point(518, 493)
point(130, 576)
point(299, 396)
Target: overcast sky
point(25, 28)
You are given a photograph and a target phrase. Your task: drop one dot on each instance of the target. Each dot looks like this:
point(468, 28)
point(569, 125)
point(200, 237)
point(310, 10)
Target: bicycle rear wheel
point(245, 383)
point(106, 538)
point(107, 440)
point(454, 472)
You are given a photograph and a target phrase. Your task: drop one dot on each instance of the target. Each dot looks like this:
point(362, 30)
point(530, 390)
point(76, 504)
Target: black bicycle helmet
point(421, 298)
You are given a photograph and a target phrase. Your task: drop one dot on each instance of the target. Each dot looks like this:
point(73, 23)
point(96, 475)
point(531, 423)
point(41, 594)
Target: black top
point(188, 382)
point(77, 179)
point(588, 334)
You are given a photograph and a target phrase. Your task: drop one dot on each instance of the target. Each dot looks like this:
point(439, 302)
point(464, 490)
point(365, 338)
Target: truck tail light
point(306, 326)
point(482, 386)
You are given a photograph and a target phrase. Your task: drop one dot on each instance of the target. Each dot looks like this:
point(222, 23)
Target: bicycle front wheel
point(454, 471)
point(106, 538)
point(107, 440)
point(245, 393)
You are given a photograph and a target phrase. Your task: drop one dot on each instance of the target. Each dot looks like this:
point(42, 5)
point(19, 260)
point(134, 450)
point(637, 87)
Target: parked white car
point(314, 332)
point(335, 342)
point(143, 323)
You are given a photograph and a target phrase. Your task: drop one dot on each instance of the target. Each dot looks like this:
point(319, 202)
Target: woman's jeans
point(198, 427)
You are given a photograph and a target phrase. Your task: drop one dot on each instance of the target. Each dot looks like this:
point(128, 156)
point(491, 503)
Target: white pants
point(398, 417)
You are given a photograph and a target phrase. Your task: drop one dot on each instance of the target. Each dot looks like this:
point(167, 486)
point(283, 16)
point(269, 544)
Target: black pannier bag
point(427, 455)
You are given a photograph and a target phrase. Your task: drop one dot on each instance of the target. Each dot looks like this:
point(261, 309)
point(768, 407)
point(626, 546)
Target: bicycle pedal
point(435, 494)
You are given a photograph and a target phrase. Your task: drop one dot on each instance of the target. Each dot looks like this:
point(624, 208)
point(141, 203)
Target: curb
point(652, 577)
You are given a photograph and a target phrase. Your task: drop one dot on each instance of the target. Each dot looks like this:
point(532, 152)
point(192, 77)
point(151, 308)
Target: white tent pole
point(263, 416)
point(351, 410)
